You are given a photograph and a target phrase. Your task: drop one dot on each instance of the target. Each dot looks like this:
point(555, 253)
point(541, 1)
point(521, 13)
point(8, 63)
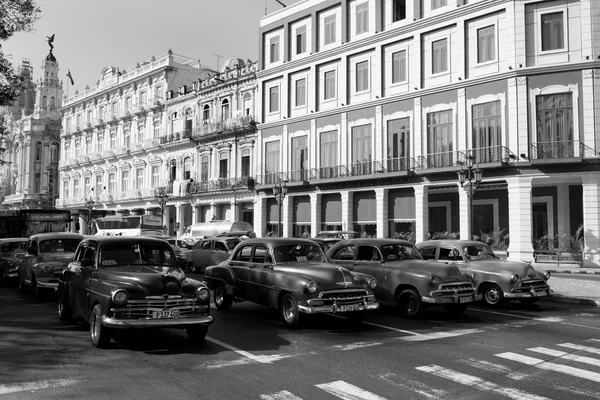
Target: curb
point(575, 300)
point(570, 271)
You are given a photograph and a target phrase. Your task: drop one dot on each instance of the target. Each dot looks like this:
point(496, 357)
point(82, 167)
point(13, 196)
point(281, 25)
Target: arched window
point(38, 151)
point(247, 103)
point(206, 113)
point(187, 167)
point(173, 170)
point(52, 103)
point(44, 102)
point(225, 109)
point(174, 122)
point(54, 152)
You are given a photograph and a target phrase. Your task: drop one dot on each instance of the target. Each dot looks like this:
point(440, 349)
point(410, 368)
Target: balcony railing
point(208, 127)
point(561, 150)
point(440, 160)
point(175, 137)
point(490, 155)
point(220, 184)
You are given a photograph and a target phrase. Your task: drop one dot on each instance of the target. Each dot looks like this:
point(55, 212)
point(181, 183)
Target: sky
point(92, 34)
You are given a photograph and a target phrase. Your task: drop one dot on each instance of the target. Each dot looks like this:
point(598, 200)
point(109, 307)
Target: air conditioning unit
point(169, 94)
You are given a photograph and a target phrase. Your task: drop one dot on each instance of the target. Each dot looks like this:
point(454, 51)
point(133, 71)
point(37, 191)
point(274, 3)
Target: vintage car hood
point(62, 257)
point(324, 274)
point(151, 280)
point(448, 273)
point(490, 265)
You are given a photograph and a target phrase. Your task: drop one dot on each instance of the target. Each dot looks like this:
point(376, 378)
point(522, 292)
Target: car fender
point(365, 278)
point(415, 279)
point(217, 274)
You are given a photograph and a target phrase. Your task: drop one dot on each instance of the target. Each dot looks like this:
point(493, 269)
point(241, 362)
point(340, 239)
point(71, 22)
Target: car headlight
point(202, 294)
point(46, 269)
point(311, 286)
point(435, 281)
point(547, 275)
point(514, 278)
point(475, 277)
point(372, 283)
point(120, 297)
point(530, 272)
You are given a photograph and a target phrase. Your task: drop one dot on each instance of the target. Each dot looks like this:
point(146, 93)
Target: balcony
point(560, 151)
point(440, 161)
point(235, 124)
point(493, 155)
point(220, 184)
point(176, 137)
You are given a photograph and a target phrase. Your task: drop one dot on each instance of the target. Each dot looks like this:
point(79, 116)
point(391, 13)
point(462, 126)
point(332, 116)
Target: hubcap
point(492, 296)
point(219, 296)
point(288, 310)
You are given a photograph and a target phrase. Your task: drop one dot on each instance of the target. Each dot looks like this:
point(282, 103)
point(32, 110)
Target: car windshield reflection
point(59, 245)
point(136, 254)
point(298, 252)
point(478, 252)
point(395, 252)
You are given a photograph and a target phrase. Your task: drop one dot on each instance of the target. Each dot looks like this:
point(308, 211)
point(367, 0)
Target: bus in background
point(26, 222)
point(128, 225)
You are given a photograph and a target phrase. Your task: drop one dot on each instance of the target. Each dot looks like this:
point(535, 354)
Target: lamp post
point(90, 206)
point(161, 197)
point(280, 191)
point(470, 180)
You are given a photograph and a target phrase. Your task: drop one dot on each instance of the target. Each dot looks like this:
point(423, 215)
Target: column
point(235, 205)
point(260, 216)
point(512, 110)
point(213, 210)
point(315, 213)
point(74, 220)
point(520, 218)
point(287, 216)
point(522, 117)
point(464, 213)
point(590, 85)
point(381, 195)
point(421, 213)
point(591, 219)
point(195, 214)
point(347, 211)
point(378, 132)
point(463, 141)
point(180, 219)
point(83, 226)
point(166, 219)
point(562, 211)
point(418, 148)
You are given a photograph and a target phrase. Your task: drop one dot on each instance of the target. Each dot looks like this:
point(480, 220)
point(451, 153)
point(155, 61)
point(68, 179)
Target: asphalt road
point(546, 351)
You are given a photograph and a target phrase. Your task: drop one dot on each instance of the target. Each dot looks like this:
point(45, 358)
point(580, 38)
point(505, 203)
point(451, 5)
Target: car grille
point(455, 289)
point(342, 297)
point(532, 284)
point(139, 309)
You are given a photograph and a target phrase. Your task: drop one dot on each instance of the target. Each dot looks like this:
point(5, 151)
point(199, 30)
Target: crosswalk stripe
point(354, 346)
point(549, 366)
point(346, 391)
point(587, 349)
point(440, 335)
point(566, 356)
point(479, 383)
point(283, 395)
point(29, 386)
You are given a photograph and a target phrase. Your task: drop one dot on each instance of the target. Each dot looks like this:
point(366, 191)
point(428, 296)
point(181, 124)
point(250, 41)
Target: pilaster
point(260, 216)
point(381, 196)
point(464, 138)
point(522, 117)
point(591, 219)
point(520, 218)
point(347, 211)
point(421, 212)
point(315, 213)
point(512, 136)
point(464, 211)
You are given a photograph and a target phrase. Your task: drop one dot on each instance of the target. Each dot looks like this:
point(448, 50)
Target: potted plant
point(572, 246)
point(497, 240)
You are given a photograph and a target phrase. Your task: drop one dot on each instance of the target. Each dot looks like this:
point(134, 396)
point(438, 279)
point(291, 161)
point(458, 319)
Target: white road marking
point(347, 391)
point(550, 366)
point(422, 388)
point(391, 329)
point(440, 335)
point(587, 349)
point(283, 395)
point(549, 319)
point(354, 346)
point(258, 359)
point(566, 356)
point(479, 383)
point(31, 386)
point(493, 367)
point(223, 363)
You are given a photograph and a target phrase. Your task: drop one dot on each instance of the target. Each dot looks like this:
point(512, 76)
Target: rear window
point(59, 245)
point(136, 254)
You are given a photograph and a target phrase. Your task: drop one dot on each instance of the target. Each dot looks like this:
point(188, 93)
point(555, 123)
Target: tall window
point(112, 186)
point(206, 112)
point(555, 125)
point(99, 185)
point(300, 92)
point(328, 159)
point(274, 49)
point(139, 178)
point(300, 155)
point(487, 131)
point(361, 150)
point(143, 98)
point(362, 18)
point(100, 140)
point(399, 10)
point(437, 4)
point(101, 113)
point(127, 103)
point(223, 165)
point(245, 165)
point(247, 103)
point(66, 189)
point(88, 146)
point(225, 110)
point(127, 137)
point(329, 29)
point(156, 128)
point(113, 140)
point(399, 66)
point(52, 103)
point(552, 31)
point(76, 189)
point(301, 39)
point(155, 176)
point(188, 165)
point(204, 169)
point(362, 76)
point(439, 139)
point(329, 92)
point(124, 181)
point(87, 185)
point(141, 132)
point(486, 44)
point(272, 157)
point(439, 58)
point(274, 99)
point(398, 144)
point(89, 116)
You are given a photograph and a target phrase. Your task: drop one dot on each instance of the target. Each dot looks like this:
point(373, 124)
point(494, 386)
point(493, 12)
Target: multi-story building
point(29, 179)
point(370, 108)
point(165, 127)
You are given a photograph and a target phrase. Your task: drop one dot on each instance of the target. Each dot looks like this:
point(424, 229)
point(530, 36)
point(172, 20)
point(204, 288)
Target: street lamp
point(280, 191)
point(161, 197)
point(470, 180)
point(90, 206)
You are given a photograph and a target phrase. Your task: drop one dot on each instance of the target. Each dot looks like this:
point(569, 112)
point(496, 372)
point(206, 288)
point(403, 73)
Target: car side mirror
point(32, 250)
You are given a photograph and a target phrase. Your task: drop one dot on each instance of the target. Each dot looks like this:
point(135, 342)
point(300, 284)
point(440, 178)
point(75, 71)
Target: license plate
point(165, 314)
point(352, 307)
point(466, 299)
point(538, 294)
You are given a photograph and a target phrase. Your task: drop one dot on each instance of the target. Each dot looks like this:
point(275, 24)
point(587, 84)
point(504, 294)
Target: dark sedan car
point(293, 276)
point(12, 251)
point(209, 251)
point(131, 283)
point(404, 277)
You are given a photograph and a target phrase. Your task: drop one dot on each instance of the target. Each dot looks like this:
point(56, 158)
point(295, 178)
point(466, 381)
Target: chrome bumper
point(530, 294)
point(335, 308)
point(156, 323)
point(53, 284)
point(452, 299)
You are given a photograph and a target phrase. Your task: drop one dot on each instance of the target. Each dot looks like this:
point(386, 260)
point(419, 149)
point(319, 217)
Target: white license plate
point(466, 299)
point(165, 314)
point(352, 307)
point(538, 294)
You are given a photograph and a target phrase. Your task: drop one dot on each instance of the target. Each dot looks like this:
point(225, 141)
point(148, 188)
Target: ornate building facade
point(370, 108)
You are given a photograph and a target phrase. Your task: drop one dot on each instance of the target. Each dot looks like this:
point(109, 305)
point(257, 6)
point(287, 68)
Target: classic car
point(118, 283)
point(12, 251)
point(181, 243)
point(47, 256)
point(292, 275)
point(499, 280)
point(404, 277)
point(209, 251)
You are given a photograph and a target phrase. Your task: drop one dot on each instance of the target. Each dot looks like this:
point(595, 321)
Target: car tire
point(456, 309)
point(356, 317)
point(493, 296)
point(197, 333)
point(288, 309)
point(38, 293)
point(223, 301)
point(527, 301)
point(409, 303)
point(99, 334)
point(64, 312)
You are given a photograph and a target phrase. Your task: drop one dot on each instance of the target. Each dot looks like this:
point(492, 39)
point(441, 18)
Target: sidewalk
point(573, 291)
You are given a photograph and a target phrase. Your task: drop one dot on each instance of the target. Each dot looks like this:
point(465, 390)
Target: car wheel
point(493, 296)
point(223, 300)
point(64, 312)
point(529, 300)
point(456, 308)
point(356, 317)
point(288, 307)
point(409, 303)
point(99, 334)
point(38, 293)
point(197, 333)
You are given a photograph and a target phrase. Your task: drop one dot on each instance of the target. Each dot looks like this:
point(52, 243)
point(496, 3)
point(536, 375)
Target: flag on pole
point(70, 77)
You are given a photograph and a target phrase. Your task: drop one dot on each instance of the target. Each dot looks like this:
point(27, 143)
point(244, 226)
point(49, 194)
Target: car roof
point(375, 241)
point(125, 239)
point(275, 241)
point(9, 240)
point(448, 242)
point(56, 235)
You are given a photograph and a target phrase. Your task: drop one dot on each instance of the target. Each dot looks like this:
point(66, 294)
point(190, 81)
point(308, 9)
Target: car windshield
point(394, 252)
point(478, 252)
point(59, 245)
point(136, 254)
point(231, 243)
point(10, 247)
point(298, 252)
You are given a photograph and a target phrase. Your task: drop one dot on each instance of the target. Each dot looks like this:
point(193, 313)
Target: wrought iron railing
point(208, 127)
point(220, 184)
point(491, 154)
point(174, 137)
point(439, 160)
point(561, 149)
point(300, 175)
